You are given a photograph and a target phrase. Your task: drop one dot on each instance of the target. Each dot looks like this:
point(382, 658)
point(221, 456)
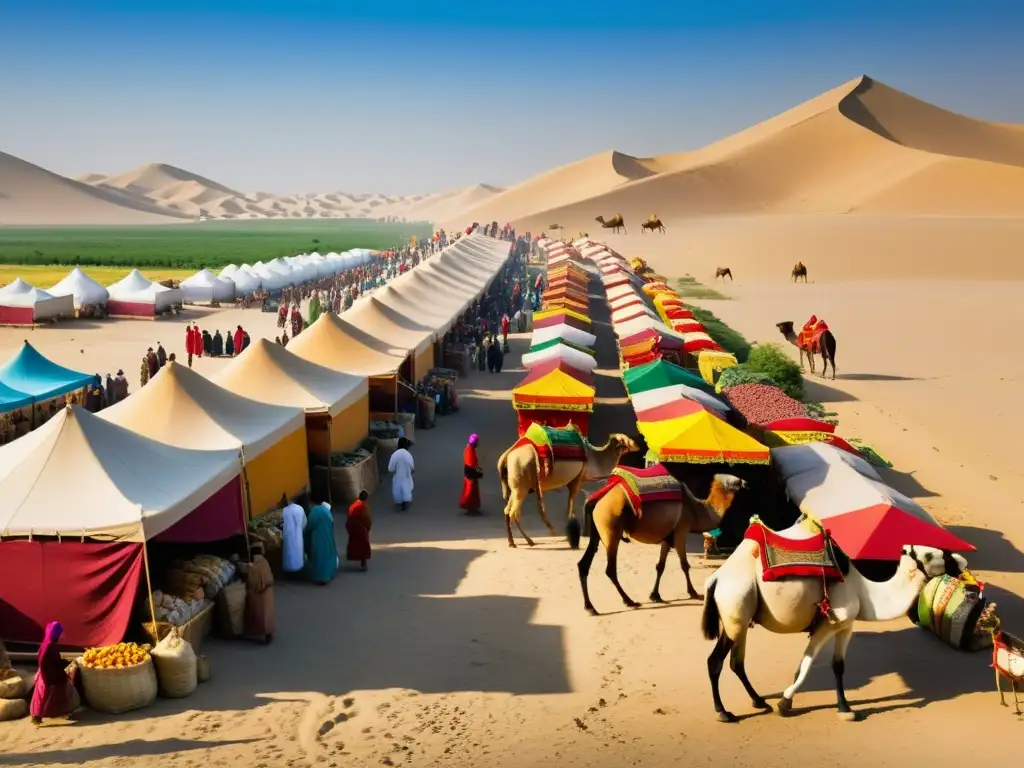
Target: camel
point(660, 522)
point(653, 223)
point(799, 270)
point(519, 471)
point(737, 597)
point(615, 223)
point(723, 272)
point(826, 345)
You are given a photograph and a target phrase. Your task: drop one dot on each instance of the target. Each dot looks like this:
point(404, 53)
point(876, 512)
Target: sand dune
point(860, 148)
point(30, 195)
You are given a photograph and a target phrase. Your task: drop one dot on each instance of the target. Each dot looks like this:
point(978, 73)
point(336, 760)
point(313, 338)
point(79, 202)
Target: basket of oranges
point(118, 678)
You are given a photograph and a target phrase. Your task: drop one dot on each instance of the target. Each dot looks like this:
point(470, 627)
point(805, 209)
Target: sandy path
point(456, 650)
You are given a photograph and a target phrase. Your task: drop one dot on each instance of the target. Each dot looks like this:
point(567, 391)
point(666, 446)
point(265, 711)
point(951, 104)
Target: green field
point(198, 244)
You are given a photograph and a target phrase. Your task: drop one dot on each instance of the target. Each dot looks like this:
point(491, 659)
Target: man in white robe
point(293, 557)
point(402, 468)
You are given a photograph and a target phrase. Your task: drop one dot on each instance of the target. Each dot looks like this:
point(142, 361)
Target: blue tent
point(31, 375)
point(12, 398)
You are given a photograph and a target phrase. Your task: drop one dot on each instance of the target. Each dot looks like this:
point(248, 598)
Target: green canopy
point(661, 373)
point(553, 342)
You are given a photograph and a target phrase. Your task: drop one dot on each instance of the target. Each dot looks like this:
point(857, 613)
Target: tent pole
point(242, 485)
point(330, 452)
point(149, 588)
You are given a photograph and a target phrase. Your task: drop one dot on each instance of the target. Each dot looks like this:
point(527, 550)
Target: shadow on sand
point(124, 749)
point(995, 551)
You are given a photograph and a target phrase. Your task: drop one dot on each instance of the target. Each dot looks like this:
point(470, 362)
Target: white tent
point(136, 487)
point(81, 288)
point(581, 361)
point(563, 331)
point(272, 278)
point(206, 286)
point(137, 295)
point(245, 280)
point(229, 271)
point(24, 304)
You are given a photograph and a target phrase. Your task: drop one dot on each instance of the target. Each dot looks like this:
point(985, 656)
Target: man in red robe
point(189, 344)
point(197, 340)
point(471, 472)
point(239, 338)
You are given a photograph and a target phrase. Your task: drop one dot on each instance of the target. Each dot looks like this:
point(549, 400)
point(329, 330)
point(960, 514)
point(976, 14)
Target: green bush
point(770, 360)
point(728, 339)
point(741, 374)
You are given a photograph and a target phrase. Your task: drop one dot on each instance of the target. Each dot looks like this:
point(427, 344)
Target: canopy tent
point(245, 280)
point(616, 291)
point(661, 395)
point(867, 519)
point(394, 329)
point(336, 344)
point(633, 300)
point(24, 304)
point(206, 286)
point(554, 393)
point(561, 315)
point(655, 287)
point(651, 334)
point(643, 323)
point(565, 303)
point(542, 345)
point(11, 399)
point(702, 438)
point(137, 296)
point(661, 374)
point(626, 314)
point(641, 353)
point(101, 491)
point(574, 357)
point(567, 332)
point(337, 405)
point(82, 289)
point(712, 362)
point(272, 277)
point(675, 409)
point(417, 301)
point(180, 407)
point(696, 341)
point(30, 374)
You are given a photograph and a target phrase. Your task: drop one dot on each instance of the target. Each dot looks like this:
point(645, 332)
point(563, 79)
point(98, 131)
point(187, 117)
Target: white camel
point(736, 597)
point(519, 470)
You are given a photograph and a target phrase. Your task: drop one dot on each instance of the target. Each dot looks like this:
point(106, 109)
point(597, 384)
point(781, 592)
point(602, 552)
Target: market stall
point(204, 286)
point(580, 359)
point(24, 304)
point(137, 296)
point(83, 290)
point(271, 438)
point(554, 394)
point(34, 388)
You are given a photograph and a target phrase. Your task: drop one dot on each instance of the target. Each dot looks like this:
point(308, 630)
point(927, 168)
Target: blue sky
point(404, 97)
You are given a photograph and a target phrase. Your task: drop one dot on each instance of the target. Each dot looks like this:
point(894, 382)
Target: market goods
point(231, 609)
point(202, 669)
point(119, 689)
point(116, 656)
point(350, 459)
point(175, 610)
point(175, 666)
point(740, 374)
point(385, 430)
point(13, 709)
point(762, 404)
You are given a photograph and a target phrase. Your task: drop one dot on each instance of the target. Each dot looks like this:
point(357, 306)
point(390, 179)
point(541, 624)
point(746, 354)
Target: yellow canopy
point(560, 311)
point(702, 438)
point(709, 361)
point(554, 390)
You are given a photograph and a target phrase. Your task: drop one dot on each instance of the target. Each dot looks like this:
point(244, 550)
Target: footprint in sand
point(342, 717)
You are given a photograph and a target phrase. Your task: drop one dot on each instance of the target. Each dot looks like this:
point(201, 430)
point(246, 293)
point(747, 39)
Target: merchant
point(259, 597)
point(54, 694)
point(321, 548)
point(294, 518)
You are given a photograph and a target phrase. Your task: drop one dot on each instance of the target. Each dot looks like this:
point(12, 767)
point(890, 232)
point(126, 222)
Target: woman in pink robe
point(54, 694)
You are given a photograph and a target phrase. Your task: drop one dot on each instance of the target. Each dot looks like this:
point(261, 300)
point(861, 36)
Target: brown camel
point(826, 346)
point(723, 272)
point(615, 223)
point(519, 471)
point(799, 270)
point(661, 522)
point(654, 224)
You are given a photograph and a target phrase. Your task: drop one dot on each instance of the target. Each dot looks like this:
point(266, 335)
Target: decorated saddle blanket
point(809, 338)
point(783, 557)
point(553, 444)
point(641, 486)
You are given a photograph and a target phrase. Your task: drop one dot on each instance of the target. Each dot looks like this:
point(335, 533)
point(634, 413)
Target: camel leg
point(818, 640)
point(519, 524)
point(680, 543)
point(611, 546)
point(737, 664)
point(572, 525)
point(584, 567)
point(715, 663)
point(513, 508)
point(659, 569)
point(543, 512)
point(839, 669)
point(508, 531)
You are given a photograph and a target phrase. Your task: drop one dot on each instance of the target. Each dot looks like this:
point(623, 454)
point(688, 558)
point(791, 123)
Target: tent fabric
point(30, 373)
point(702, 438)
point(81, 288)
point(137, 295)
point(24, 304)
point(182, 408)
point(268, 373)
point(540, 346)
point(660, 340)
point(394, 329)
point(336, 344)
point(10, 399)
point(793, 460)
point(133, 488)
point(561, 317)
point(644, 323)
point(206, 286)
point(558, 388)
point(661, 374)
point(245, 280)
point(567, 332)
point(579, 360)
point(661, 395)
point(568, 313)
point(90, 586)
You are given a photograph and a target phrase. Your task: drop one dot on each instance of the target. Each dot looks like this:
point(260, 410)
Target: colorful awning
point(702, 439)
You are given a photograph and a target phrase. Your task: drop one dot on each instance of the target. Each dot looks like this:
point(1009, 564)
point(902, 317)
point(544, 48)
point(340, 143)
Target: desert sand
point(456, 650)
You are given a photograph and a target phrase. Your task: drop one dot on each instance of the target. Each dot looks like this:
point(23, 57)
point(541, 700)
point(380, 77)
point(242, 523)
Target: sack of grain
point(175, 665)
point(11, 685)
point(202, 669)
point(231, 609)
point(13, 709)
point(119, 689)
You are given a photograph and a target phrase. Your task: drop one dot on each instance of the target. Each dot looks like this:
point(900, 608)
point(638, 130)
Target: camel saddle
point(783, 557)
point(641, 486)
point(552, 444)
point(809, 338)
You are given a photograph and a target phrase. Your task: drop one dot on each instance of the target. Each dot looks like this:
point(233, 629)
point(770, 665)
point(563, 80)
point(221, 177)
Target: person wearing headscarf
point(481, 355)
point(111, 390)
point(207, 343)
point(218, 344)
point(54, 694)
point(494, 356)
point(321, 550)
point(161, 355)
point(144, 373)
point(189, 344)
point(402, 468)
point(358, 525)
point(229, 344)
point(293, 527)
point(471, 473)
point(259, 597)
point(151, 362)
point(239, 336)
point(121, 383)
point(284, 338)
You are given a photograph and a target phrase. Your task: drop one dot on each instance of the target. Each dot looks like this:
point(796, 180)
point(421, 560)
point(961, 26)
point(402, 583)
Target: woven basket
point(175, 666)
point(119, 690)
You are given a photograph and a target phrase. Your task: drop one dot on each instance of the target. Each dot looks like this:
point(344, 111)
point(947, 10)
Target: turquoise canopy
point(29, 376)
